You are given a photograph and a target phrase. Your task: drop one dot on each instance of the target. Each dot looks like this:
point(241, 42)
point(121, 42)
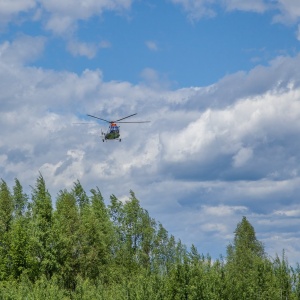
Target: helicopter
point(113, 132)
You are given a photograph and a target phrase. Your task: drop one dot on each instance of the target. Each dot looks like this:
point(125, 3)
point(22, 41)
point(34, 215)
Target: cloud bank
point(210, 154)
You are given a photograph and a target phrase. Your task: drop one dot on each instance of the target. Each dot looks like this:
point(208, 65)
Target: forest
point(81, 248)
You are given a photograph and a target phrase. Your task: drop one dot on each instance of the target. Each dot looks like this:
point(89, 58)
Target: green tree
point(244, 257)
point(116, 214)
point(179, 281)
point(6, 207)
point(96, 238)
point(283, 274)
point(41, 243)
point(67, 238)
point(138, 233)
point(16, 229)
point(20, 199)
point(19, 249)
point(296, 281)
point(6, 215)
point(160, 250)
point(80, 195)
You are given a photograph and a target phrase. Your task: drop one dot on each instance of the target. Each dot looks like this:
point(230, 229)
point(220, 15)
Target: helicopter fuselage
point(113, 133)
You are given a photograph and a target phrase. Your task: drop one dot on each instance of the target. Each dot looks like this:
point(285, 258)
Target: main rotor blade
point(99, 119)
point(136, 122)
point(125, 118)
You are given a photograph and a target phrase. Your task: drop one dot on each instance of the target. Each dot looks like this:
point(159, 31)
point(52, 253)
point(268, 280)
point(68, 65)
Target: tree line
point(85, 249)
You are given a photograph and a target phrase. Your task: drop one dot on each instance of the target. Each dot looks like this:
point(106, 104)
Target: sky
point(219, 81)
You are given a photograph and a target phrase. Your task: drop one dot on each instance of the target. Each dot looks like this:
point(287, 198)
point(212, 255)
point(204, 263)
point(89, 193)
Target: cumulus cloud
point(197, 9)
point(298, 33)
point(289, 11)
point(242, 157)
point(154, 79)
point(151, 45)
point(285, 11)
point(60, 17)
point(9, 9)
point(89, 50)
point(83, 49)
point(104, 44)
point(244, 140)
point(258, 6)
point(24, 49)
point(63, 15)
point(222, 151)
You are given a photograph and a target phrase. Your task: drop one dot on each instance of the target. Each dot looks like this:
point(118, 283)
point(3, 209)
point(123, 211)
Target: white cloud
point(83, 49)
point(63, 15)
point(249, 133)
point(82, 9)
point(258, 6)
point(223, 210)
point(197, 9)
point(78, 48)
point(151, 45)
point(9, 8)
point(59, 16)
point(200, 157)
point(61, 24)
point(154, 79)
point(298, 33)
point(22, 50)
point(286, 11)
point(288, 212)
point(242, 157)
point(289, 11)
point(104, 44)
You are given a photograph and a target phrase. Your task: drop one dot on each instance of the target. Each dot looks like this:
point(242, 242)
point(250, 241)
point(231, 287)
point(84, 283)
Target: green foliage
point(66, 238)
point(80, 195)
point(283, 277)
point(84, 249)
point(19, 247)
point(20, 199)
point(6, 216)
point(6, 208)
point(249, 274)
point(95, 238)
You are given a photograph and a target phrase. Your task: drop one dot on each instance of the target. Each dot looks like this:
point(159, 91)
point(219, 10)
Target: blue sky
point(219, 81)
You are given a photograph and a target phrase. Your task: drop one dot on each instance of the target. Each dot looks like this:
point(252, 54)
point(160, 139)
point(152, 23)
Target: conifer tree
point(283, 277)
point(6, 207)
point(244, 257)
point(20, 199)
point(19, 246)
point(67, 238)
point(6, 215)
point(96, 238)
point(18, 233)
point(116, 213)
point(160, 255)
point(42, 250)
point(80, 195)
